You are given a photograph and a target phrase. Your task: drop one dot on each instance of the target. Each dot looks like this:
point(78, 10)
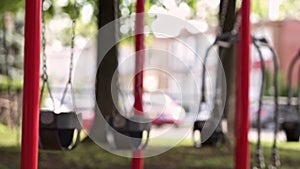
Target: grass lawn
point(89, 156)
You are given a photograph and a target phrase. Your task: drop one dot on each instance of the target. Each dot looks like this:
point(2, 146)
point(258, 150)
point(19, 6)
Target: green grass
point(90, 156)
point(9, 136)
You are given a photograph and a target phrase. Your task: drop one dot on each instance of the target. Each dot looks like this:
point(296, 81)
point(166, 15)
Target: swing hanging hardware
point(58, 130)
point(225, 40)
point(259, 155)
point(275, 160)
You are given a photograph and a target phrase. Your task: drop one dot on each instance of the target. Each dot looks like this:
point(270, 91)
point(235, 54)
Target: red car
point(162, 109)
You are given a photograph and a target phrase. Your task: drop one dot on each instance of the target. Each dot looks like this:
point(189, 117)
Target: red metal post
point(242, 96)
point(137, 160)
point(31, 95)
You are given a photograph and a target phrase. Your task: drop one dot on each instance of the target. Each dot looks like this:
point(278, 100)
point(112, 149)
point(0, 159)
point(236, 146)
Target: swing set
point(51, 130)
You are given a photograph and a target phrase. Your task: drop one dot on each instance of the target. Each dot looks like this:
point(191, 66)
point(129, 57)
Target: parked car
point(267, 116)
point(289, 119)
point(158, 106)
point(162, 109)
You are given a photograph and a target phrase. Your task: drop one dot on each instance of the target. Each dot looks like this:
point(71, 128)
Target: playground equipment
point(259, 157)
point(127, 132)
point(275, 161)
point(291, 124)
point(58, 129)
point(31, 86)
point(242, 89)
point(132, 128)
point(224, 41)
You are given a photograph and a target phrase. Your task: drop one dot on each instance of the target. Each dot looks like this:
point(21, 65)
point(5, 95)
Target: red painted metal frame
point(242, 93)
point(31, 95)
point(137, 160)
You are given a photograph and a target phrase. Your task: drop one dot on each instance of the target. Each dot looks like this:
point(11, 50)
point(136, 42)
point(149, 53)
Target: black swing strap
point(275, 155)
point(223, 40)
point(259, 157)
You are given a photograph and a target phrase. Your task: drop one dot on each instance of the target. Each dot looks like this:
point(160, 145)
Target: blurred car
point(289, 119)
point(162, 109)
point(266, 114)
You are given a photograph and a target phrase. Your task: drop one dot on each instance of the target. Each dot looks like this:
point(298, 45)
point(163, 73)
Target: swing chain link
point(72, 48)
point(44, 76)
point(74, 22)
point(44, 44)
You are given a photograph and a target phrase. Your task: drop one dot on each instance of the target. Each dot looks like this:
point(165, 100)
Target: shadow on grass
point(89, 156)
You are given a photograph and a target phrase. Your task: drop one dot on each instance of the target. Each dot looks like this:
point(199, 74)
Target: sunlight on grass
point(282, 145)
point(183, 156)
point(9, 136)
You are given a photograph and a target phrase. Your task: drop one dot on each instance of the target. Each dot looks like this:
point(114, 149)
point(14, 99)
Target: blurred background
point(277, 20)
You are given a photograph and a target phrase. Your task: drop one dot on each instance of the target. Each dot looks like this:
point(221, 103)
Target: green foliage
point(260, 8)
point(290, 9)
point(282, 85)
point(10, 137)
point(192, 4)
point(10, 6)
point(14, 46)
point(15, 84)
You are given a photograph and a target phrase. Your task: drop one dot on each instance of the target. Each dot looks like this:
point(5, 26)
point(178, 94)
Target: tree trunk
point(228, 62)
point(108, 12)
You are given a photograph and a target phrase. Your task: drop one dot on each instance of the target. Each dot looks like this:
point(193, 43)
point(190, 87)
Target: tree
point(229, 62)
point(108, 12)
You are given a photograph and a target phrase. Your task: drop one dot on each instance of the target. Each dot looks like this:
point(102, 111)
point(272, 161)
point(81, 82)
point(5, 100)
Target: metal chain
point(74, 21)
point(44, 75)
point(73, 34)
point(44, 44)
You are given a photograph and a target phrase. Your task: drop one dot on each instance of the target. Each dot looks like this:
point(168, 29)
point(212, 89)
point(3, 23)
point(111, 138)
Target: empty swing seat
point(128, 133)
point(216, 138)
point(59, 131)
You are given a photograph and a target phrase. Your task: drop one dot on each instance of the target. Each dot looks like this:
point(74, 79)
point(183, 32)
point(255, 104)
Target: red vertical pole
point(30, 121)
point(137, 159)
point(242, 96)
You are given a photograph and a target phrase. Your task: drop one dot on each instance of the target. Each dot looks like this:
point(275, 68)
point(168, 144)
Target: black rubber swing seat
point(59, 131)
point(126, 133)
point(215, 139)
point(291, 123)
